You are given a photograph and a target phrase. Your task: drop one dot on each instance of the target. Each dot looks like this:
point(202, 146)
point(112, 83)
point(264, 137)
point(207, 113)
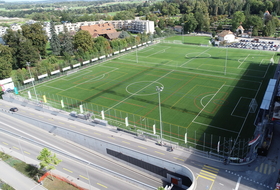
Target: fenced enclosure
point(206, 102)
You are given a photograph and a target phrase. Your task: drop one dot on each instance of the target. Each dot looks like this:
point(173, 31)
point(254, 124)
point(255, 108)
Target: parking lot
point(257, 44)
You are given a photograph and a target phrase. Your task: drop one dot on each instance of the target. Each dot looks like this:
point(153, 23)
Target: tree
point(54, 41)
point(5, 68)
point(189, 22)
point(83, 41)
point(238, 18)
point(37, 36)
point(124, 34)
point(66, 41)
point(48, 161)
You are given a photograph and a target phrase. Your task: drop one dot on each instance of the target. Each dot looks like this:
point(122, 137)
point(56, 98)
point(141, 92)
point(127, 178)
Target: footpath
point(17, 180)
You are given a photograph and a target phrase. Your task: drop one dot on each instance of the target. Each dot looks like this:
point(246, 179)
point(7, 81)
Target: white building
point(137, 26)
point(226, 36)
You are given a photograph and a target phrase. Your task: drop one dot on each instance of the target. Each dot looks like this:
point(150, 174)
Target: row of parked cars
point(261, 45)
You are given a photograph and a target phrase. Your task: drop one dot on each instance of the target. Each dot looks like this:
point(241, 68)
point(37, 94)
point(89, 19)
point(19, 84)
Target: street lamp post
point(159, 89)
point(251, 27)
point(183, 32)
point(28, 64)
point(136, 50)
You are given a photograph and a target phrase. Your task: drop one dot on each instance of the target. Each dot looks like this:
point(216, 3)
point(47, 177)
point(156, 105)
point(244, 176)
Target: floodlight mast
point(159, 89)
point(28, 65)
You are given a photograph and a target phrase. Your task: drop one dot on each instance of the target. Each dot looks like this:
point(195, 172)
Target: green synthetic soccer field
point(206, 90)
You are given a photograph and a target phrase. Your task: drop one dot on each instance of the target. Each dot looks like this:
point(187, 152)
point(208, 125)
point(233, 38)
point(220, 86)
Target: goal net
point(177, 41)
point(253, 106)
point(72, 71)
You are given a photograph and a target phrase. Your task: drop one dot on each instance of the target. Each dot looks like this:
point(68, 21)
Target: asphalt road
point(209, 174)
point(70, 166)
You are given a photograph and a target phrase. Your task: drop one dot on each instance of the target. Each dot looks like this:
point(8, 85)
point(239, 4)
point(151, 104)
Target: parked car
point(14, 109)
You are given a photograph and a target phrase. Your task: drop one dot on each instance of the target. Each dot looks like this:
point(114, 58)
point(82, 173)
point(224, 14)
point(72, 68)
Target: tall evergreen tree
point(54, 41)
point(66, 41)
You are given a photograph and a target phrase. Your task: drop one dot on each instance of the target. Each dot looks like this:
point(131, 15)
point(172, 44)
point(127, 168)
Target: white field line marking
point(238, 183)
point(52, 87)
point(241, 88)
point(146, 49)
point(109, 66)
point(161, 51)
point(266, 71)
point(139, 90)
point(214, 127)
point(243, 61)
point(86, 72)
point(200, 74)
point(208, 102)
point(237, 105)
point(203, 98)
point(90, 79)
point(195, 57)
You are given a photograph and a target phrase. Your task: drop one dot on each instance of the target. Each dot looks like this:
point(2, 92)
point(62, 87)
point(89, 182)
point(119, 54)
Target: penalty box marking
point(236, 107)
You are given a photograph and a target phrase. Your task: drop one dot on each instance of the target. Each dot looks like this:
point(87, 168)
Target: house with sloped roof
point(106, 30)
point(227, 36)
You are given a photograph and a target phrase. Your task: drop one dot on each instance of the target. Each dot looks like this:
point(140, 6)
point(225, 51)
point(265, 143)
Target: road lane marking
point(15, 147)
point(125, 142)
point(142, 147)
point(84, 129)
point(265, 168)
point(61, 123)
point(31, 113)
point(179, 159)
point(51, 119)
point(261, 167)
point(67, 170)
point(237, 184)
point(207, 175)
point(26, 152)
point(204, 177)
point(208, 172)
point(211, 168)
point(72, 126)
point(102, 185)
point(41, 116)
point(111, 137)
point(159, 152)
point(5, 143)
point(83, 177)
point(97, 133)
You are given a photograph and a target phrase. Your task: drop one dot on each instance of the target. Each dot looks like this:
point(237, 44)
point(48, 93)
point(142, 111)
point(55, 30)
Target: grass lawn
point(195, 40)
point(206, 96)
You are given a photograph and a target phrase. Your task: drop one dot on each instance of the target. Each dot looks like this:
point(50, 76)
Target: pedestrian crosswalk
point(265, 169)
point(209, 172)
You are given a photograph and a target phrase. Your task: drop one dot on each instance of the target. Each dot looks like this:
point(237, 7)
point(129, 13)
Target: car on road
point(14, 109)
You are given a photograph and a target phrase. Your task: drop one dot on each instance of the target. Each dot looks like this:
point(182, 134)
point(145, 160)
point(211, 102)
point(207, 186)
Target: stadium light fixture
point(28, 65)
point(159, 89)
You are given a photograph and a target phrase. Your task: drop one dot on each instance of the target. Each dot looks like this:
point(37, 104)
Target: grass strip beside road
point(32, 172)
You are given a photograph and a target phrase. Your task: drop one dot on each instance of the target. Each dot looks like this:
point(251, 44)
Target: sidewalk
point(9, 175)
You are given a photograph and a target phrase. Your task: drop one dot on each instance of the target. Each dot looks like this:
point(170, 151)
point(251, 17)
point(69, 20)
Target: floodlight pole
point(159, 89)
point(28, 65)
point(183, 32)
point(136, 50)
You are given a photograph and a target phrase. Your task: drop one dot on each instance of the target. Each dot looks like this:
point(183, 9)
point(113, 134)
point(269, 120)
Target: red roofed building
point(106, 30)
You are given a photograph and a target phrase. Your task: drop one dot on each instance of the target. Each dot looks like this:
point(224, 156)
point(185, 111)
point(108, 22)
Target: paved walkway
point(17, 180)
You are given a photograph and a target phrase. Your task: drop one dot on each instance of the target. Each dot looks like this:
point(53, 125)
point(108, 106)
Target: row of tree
point(30, 45)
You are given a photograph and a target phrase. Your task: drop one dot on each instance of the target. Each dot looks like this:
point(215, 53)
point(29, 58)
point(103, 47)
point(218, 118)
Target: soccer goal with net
point(253, 106)
point(72, 71)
